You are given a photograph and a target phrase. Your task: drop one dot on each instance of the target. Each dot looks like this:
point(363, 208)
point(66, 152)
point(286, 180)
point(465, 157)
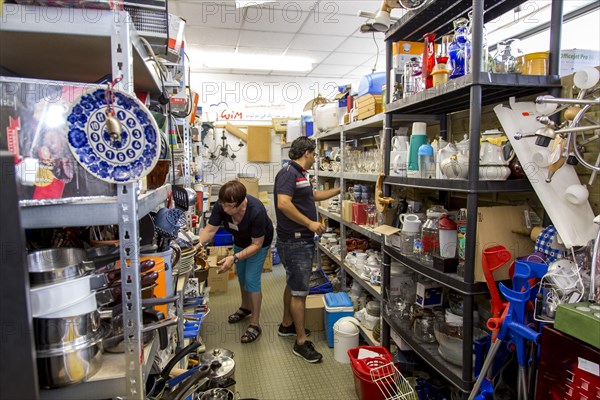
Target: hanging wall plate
point(122, 158)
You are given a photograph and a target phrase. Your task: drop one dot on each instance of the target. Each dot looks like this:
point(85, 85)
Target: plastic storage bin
point(319, 283)
point(337, 305)
point(371, 84)
point(223, 238)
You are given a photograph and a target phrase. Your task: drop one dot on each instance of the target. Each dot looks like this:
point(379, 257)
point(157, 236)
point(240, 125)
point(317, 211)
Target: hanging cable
point(377, 56)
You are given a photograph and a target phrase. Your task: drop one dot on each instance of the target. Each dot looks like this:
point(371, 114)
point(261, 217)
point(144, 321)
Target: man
point(296, 227)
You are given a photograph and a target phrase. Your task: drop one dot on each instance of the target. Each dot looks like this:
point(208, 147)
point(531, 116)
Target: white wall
point(252, 100)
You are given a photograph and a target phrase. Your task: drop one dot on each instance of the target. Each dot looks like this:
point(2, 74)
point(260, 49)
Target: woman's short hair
point(300, 146)
point(232, 192)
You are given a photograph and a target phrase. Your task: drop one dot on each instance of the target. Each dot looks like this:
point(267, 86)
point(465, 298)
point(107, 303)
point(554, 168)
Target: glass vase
point(457, 50)
point(428, 59)
point(486, 61)
point(509, 57)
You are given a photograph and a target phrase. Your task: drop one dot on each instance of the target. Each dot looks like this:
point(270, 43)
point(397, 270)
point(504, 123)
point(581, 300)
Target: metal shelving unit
point(429, 352)
point(456, 93)
point(373, 290)
point(108, 382)
point(452, 281)
point(456, 185)
point(69, 44)
point(87, 212)
point(70, 47)
point(331, 215)
point(470, 92)
point(360, 129)
point(329, 254)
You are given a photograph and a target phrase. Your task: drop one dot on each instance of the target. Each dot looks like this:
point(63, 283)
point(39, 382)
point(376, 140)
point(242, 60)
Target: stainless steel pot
point(211, 355)
point(66, 263)
point(66, 365)
point(57, 265)
point(217, 394)
point(58, 332)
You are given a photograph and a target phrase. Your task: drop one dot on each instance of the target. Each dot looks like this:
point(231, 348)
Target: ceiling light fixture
point(256, 63)
point(381, 23)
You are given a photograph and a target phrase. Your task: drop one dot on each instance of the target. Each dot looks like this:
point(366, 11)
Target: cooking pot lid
point(227, 367)
point(215, 353)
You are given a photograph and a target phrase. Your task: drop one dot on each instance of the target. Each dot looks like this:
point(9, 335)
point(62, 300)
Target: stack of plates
point(186, 263)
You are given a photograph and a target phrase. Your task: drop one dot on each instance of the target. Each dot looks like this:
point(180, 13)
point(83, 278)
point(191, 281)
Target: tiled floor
point(267, 369)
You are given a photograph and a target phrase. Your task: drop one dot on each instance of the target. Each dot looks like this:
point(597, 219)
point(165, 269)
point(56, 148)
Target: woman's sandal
point(239, 315)
point(252, 333)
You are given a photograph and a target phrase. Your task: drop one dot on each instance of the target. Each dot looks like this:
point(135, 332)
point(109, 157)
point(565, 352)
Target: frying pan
point(155, 385)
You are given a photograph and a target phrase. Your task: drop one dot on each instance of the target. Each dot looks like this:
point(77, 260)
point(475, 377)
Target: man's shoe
point(308, 352)
point(290, 330)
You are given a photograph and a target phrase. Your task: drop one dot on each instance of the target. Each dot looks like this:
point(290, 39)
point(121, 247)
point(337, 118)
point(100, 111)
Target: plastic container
point(417, 139)
point(448, 237)
point(536, 63)
point(337, 305)
point(371, 84)
point(223, 238)
point(319, 283)
point(167, 258)
point(426, 162)
point(345, 333)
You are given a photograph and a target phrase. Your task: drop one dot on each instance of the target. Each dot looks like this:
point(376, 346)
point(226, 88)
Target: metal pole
point(122, 67)
point(20, 379)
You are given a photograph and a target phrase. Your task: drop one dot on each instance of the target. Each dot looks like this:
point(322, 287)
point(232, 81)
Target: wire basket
point(391, 383)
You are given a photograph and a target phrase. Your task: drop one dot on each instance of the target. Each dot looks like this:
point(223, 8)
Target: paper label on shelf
point(588, 366)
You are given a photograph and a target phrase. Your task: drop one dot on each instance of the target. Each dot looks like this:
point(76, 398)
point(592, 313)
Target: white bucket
point(345, 337)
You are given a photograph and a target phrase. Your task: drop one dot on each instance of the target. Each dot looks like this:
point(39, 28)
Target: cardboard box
point(314, 312)
point(217, 282)
point(572, 60)
point(391, 236)
point(251, 185)
point(429, 294)
point(497, 226)
point(268, 265)
point(219, 252)
point(259, 144)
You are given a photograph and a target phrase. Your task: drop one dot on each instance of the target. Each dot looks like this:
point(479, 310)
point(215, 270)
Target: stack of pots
point(68, 333)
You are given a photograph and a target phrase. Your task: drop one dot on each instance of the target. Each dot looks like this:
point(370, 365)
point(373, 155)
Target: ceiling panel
point(211, 36)
point(316, 56)
point(265, 39)
point(316, 42)
point(343, 25)
point(352, 7)
point(331, 70)
point(361, 45)
point(274, 20)
point(214, 14)
point(346, 58)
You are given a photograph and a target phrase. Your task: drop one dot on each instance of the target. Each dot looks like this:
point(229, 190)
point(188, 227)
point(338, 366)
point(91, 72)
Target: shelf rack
point(108, 382)
point(469, 92)
point(360, 129)
point(438, 16)
point(64, 44)
point(82, 212)
point(69, 44)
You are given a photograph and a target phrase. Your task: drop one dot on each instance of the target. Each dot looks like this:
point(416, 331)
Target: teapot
point(453, 164)
point(495, 149)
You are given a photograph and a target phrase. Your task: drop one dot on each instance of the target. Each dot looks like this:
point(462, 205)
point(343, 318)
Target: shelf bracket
point(127, 196)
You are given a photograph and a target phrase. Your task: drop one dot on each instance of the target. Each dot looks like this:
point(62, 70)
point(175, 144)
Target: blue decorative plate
point(128, 158)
